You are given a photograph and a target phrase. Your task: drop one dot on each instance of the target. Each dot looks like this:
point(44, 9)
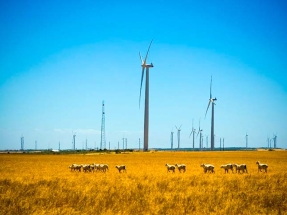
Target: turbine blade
point(141, 58)
point(197, 134)
point(207, 108)
point(190, 134)
point(147, 52)
point(141, 86)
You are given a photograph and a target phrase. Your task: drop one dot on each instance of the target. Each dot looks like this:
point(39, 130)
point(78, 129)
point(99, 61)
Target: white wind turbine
point(192, 132)
point(178, 136)
point(171, 139)
point(146, 67)
point(200, 137)
point(211, 100)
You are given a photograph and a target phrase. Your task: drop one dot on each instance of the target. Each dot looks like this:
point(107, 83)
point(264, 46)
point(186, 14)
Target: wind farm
point(60, 81)
point(93, 95)
point(146, 128)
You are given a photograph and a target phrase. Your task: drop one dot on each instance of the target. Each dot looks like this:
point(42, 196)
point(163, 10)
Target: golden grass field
point(43, 184)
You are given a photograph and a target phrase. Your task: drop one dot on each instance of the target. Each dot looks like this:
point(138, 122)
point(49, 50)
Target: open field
point(43, 184)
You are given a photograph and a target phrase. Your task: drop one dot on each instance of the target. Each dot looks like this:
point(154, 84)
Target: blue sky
point(58, 61)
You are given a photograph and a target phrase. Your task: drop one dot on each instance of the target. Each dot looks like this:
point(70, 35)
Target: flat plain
point(44, 184)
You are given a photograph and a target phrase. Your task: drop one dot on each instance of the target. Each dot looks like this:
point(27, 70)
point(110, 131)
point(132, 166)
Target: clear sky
point(60, 59)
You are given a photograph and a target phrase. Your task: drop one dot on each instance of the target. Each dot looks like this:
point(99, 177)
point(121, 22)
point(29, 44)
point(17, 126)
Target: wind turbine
point(220, 143)
point(178, 136)
point(171, 139)
point(192, 132)
point(146, 67)
point(74, 140)
point(246, 139)
point(211, 100)
point(199, 132)
point(275, 141)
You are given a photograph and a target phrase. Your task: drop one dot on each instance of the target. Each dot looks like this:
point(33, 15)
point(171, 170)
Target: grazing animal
point(96, 167)
point(121, 168)
point(103, 167)
point(207, 168)
point(170, 167)
point(71, 168)
point(261, 166)
point(240, 167)
point(86, 167)
point(227, 167)
point(181, 167)
point(75, 167)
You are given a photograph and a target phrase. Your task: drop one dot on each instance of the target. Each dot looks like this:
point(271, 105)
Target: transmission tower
point(103, 130)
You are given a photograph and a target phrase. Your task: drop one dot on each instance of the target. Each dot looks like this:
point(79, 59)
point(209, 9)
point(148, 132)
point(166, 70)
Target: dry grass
point(43, 184)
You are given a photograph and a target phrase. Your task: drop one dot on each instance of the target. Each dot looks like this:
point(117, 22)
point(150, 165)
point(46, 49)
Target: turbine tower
point(103, 130)
point(74, 141)
point(220, 143)
point(246, 139)
point(192, 132)
point(139, 144)
point(22, 143)
point(178, 136)
point(171, 139)
point(146, 67)
point(275, 141)
point(200, 137)
point(223, 144)
point(211, 100)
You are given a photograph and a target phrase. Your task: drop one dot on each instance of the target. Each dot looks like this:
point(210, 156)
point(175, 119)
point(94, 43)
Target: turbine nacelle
point(144, 66)
point(147, 65)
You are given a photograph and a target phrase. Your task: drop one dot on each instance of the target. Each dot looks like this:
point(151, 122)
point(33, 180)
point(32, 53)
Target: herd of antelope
point(207, 168)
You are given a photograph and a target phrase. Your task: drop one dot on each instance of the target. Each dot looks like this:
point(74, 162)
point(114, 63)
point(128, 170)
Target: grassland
point(43, 184)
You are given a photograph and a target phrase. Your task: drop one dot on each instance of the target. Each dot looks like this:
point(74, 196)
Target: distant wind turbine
point(146, 67)
point(199, 132)
point(192, 132)
point(246, 139)
point(211, 100)
point(178, 136)
point(275, 141)
point(171, 139)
